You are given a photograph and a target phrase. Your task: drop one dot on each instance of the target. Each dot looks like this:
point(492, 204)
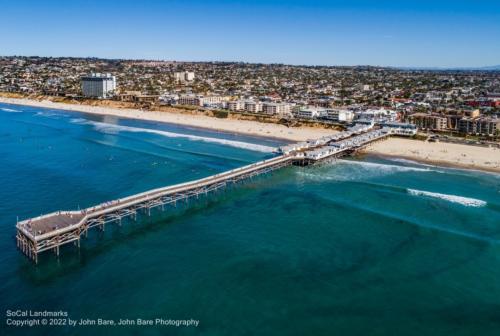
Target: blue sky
point(398, 33)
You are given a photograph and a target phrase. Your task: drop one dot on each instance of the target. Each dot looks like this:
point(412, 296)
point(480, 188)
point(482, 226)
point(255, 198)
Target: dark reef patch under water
point(359, 247)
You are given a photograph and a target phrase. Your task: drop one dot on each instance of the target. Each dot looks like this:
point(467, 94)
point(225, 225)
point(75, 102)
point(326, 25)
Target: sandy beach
point(225, 125)
point(465, 156)
point(458, 155)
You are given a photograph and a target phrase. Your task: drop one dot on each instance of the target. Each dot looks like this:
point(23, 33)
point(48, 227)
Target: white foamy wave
point(80, 121)
point(350, 170)
point(467, 201)
point(406, 161)
point(383, 167)
point(455, 170)
point(9, 110)
point(115, 129)
point(48, 114)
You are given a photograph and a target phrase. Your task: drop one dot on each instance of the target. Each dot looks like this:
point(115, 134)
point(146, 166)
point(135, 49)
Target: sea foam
point(466, 201)
point(49, 114)
point(351, 170)
point(115, 129)
point(455, 170)
point(382, 167)
point(8, 110)
point(412, 162)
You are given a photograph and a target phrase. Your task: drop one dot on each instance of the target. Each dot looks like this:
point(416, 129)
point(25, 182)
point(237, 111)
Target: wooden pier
point(51, 231)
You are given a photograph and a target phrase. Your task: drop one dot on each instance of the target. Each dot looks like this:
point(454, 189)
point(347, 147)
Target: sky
point(315, 32)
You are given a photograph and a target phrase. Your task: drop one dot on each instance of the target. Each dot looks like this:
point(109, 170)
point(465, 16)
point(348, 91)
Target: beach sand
point(225, 125)
point(457, 155)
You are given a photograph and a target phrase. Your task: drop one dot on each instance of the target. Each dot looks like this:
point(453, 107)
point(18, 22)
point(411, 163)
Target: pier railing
point(53, 230)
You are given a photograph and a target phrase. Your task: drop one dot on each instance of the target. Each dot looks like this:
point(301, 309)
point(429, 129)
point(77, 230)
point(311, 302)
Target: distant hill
point(485, 68)
point(492, 67)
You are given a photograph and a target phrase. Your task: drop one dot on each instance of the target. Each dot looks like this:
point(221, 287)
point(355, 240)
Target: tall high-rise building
point(98, 85)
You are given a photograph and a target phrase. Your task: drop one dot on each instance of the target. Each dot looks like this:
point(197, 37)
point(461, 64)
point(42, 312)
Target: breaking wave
point(350, 170)
point(8, 109)
point(385, 167)
point(411, 220)
point(466, 201)
point(455, 170)
point(115, 129)
point(412, 162)
point(49, 114)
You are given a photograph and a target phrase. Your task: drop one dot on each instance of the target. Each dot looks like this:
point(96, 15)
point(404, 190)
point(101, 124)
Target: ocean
point(360, 246)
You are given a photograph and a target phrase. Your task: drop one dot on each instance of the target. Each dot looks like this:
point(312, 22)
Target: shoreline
point(440, 154)
point(458, 156)
point(442, 164)
point(232, 126)
point(198, 128)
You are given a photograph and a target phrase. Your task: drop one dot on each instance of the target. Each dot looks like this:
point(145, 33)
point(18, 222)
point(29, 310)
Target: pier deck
point(50, 231)
point(53, 230)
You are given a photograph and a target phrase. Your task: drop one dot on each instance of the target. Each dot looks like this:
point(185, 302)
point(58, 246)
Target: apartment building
point(281, 109)
point(479, 126)
point(235, 105)
point(339, 115)
point(189, 99)
point(310, 113)
point(380, 114)
point(252, 106)
point(183, 76)
point(200, 100)
point(454, 116)
point(211, 101)
point(98, 85)
point(429, 122)
point(453, 121)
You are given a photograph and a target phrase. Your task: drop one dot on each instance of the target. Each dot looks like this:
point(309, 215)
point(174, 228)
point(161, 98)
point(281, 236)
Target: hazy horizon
point(479, 67)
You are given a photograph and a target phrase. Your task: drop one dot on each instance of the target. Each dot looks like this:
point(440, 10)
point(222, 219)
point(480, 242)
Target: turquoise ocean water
point(365, 246)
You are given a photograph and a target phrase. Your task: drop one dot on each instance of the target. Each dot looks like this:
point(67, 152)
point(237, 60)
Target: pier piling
point(53, 230)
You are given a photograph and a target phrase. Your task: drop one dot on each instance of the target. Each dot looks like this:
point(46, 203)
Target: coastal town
point(285, 168)
point(447, 104)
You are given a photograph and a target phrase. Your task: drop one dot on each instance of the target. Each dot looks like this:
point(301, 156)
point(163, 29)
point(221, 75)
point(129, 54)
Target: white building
point(98, 85)
point(211, 101)
point(253, 106)
point(200, 100)
point(183, 76)
point(365, 87)
point(339, 115)
point(380, 114)
point(235, 105)
point(310, 113)
point(169, 98)
point(276, 108)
